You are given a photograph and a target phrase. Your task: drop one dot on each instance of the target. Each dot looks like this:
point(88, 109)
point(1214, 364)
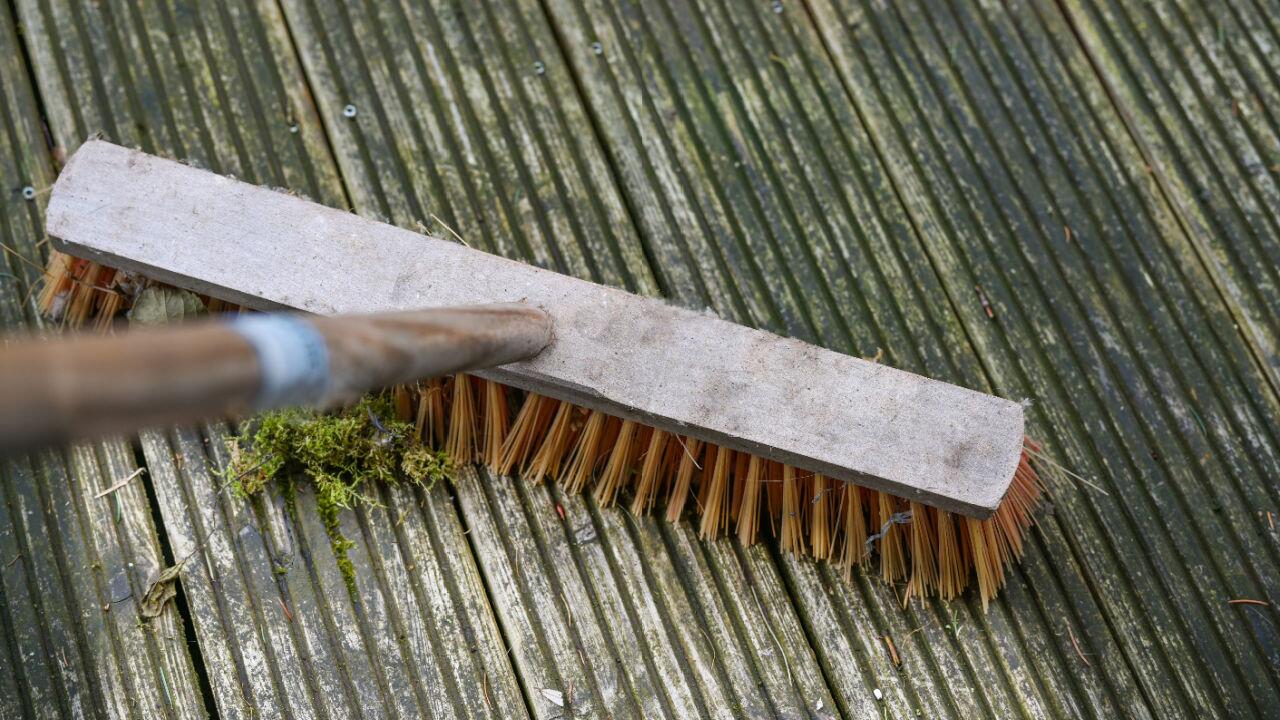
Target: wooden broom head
point(868, 460)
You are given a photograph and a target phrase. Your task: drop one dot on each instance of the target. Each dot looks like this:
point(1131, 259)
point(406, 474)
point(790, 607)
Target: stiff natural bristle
point(460, 441)
point(933, 551)
point(793, 513)
point(655, 467)
point(749, 504)
point(78, 291)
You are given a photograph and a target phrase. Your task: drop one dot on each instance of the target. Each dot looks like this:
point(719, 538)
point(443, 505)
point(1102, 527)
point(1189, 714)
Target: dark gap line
point(969, 155)
point(1022, 373)
point(1172, 196)
point(186, 618)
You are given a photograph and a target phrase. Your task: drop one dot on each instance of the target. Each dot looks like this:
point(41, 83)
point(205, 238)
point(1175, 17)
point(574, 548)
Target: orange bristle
point(749, 507)
point(403, 401)
point(651, 471)
point(460, 443)
point(924, 574)
point(715, 501)
point(586, 453)
point(528, 427)
point(893, 560)
point(546, 461)
point(496, 422)
point(820, 508)
point(430, 422)
point(853, 512)
point(684, 477)
point(934, 551)
point(793, 515)
point(953, 574)
point(617, 470)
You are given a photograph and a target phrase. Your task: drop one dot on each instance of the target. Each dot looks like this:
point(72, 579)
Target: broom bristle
point(793, 513)
point(684, 477)
point(651, 472)
point(934, 551)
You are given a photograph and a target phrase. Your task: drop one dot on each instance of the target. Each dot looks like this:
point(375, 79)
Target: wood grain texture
point(75, 564)
point(216, 85)
point(859, 174)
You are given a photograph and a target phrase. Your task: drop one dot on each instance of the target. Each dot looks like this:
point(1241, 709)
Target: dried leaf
point(159, 305)
point(164, 589)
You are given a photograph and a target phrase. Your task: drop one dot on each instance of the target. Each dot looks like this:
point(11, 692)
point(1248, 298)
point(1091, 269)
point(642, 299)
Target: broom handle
point(72, 388)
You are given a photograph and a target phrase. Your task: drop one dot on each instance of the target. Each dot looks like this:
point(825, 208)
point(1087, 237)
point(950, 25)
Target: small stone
point(879, 695)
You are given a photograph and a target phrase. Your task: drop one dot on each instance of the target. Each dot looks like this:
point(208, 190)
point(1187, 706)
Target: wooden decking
point(1071, 202)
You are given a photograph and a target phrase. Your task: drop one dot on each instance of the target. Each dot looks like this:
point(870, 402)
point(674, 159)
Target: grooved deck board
point(1197, 83)
point(278, 632)
point(1112, 329)
point(860, 174)
point(456, 130)
point(74, 566)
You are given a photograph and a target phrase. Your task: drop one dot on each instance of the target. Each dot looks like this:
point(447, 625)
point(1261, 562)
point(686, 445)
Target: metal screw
point(29, 192)
point(349, 111)
point(597, 48)
point(777, 6)
point(538, 67)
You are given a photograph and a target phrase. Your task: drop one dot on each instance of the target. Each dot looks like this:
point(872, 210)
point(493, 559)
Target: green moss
point(340, 453)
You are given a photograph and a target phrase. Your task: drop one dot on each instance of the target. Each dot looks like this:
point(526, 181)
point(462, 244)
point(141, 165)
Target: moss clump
point(340, 452)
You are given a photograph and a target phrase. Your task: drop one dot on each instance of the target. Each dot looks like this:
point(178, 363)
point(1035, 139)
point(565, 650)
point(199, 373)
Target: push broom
point(531, 372)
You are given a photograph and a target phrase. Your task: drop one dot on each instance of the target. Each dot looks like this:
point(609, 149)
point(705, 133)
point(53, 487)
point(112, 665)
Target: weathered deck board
point(776, 116)
point(279, 633)
point(1098, 325)
point(499, 155)
point(853, 173)
point(1197, 83)
point(75, 566)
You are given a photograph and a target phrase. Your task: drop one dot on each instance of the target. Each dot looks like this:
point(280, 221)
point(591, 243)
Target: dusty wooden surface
point(1072, 203)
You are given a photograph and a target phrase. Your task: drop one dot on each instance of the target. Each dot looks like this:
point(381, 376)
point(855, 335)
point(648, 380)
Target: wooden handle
point(78, 387)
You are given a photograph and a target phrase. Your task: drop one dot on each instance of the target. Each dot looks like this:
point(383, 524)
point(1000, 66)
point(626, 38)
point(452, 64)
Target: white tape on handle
point(293, 356)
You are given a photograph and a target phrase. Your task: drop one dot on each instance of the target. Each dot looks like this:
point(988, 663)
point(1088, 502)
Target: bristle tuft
point(749, 507)
point(793, 512)
point(683, 484)
point(496, 422)
point(430, 421)
point(547, 460)
point(460, 443)
point(586, 453)
point(617, 469)
point(655, 462)
point(715, 501)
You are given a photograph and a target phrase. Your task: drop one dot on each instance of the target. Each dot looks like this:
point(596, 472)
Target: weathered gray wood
point(74, 553)
point(631, 356)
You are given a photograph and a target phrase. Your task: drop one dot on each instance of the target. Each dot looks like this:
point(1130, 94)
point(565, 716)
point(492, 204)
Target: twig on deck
point(121, 483)
point(1076, 644)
